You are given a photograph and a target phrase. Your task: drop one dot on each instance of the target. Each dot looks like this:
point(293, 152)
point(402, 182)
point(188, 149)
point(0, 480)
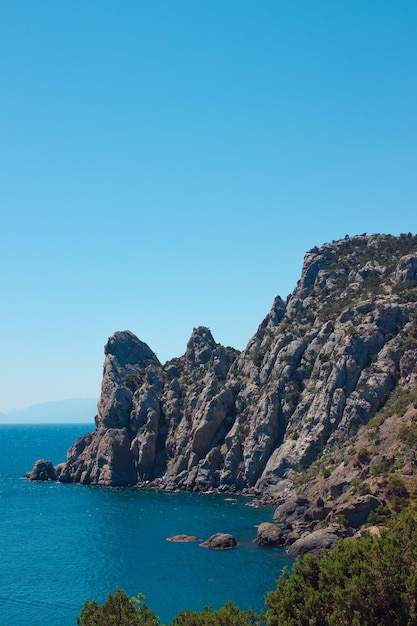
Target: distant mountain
point(61, 411)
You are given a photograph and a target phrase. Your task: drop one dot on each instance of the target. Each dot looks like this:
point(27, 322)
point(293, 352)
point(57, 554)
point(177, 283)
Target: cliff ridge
point(320, 367)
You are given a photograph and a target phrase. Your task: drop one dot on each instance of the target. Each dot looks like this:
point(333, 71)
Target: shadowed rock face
point(128, 349)
point(102, 458)
point(42, 471)
point(315, 542)
point(320, 364)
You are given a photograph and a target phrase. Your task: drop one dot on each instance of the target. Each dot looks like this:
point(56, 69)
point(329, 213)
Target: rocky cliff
point(321, 365)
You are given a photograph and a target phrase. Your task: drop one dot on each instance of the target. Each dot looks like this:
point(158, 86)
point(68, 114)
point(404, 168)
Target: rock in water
point(220, 541)
point(183, 538)
point(42, 470)
point(269, 535)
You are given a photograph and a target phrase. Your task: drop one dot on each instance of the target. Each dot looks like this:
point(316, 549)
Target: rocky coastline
point(289, 420)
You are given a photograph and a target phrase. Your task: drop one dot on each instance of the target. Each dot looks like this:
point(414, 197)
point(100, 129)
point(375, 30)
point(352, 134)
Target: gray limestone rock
point(200, 347)
point(291, 509)
point(314, 543)
point(128, 349)
point(406, 269)
point(356, 511)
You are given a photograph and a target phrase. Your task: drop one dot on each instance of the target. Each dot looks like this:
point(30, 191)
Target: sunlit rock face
point(321, 363)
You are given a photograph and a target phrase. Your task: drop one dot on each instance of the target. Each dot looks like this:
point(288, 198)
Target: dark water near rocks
point(62, 544)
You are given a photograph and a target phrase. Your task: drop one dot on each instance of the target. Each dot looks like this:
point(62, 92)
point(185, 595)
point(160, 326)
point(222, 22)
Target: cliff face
point(320, 365)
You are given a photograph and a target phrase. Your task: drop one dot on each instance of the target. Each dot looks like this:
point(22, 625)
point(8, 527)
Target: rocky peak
point(277, 311)
point(127, 361)
point(128, 349)
point(200, 347)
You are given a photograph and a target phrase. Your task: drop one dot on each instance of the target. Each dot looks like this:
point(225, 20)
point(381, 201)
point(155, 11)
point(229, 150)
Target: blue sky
point(167, 163)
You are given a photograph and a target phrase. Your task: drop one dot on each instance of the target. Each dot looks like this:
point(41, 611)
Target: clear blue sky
point(166, 164)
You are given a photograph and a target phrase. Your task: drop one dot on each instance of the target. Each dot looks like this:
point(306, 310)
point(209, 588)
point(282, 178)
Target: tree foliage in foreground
point(362, 582)
point(117, 610)
point(229, 615)
point(120, 610)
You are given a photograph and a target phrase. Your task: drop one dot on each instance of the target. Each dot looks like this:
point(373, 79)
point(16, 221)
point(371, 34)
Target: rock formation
point(269, 535)
point(183, 538)
point(320, 366)
point(315, 542)
point(220, 541)
point(42, 471)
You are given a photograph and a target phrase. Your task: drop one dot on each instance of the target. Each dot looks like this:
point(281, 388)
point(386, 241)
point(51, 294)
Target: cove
point(64, 543)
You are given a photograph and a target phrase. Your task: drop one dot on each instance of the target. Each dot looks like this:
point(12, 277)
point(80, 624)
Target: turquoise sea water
point(62, 544)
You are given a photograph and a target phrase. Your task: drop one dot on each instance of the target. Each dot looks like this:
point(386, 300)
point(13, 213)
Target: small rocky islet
point(316, 417)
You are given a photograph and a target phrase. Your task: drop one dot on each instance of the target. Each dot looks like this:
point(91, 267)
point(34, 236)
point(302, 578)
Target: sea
point(63, 544)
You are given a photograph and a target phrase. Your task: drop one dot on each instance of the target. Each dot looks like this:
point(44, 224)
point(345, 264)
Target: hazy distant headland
point(75, 411)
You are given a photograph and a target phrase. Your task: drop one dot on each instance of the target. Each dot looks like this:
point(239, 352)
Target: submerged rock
point(183, 538)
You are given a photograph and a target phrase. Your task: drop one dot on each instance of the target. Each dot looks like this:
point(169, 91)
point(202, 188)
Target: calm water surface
point(62, 544)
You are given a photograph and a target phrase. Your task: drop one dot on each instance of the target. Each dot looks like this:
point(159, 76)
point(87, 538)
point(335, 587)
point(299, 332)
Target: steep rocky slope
point(320, 366)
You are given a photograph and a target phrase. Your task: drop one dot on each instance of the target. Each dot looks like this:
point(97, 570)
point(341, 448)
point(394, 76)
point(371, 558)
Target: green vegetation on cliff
point(370, 581)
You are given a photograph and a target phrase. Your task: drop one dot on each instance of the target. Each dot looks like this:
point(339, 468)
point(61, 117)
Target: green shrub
point(395, 485)
point(352, 330)
point(380, 467)
point(358, 486)
point(257, 356)
point(364, 489)
point(365, 582)
point(399, 401)
point(117, 610)
point(229, 615)
point(291, 397)
point(131, 381)
point(326, 472)
point(353, 431)
point(120, 610)
point(363, 456)
point(340, 519)
point(379, 516)
point(408, 434)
